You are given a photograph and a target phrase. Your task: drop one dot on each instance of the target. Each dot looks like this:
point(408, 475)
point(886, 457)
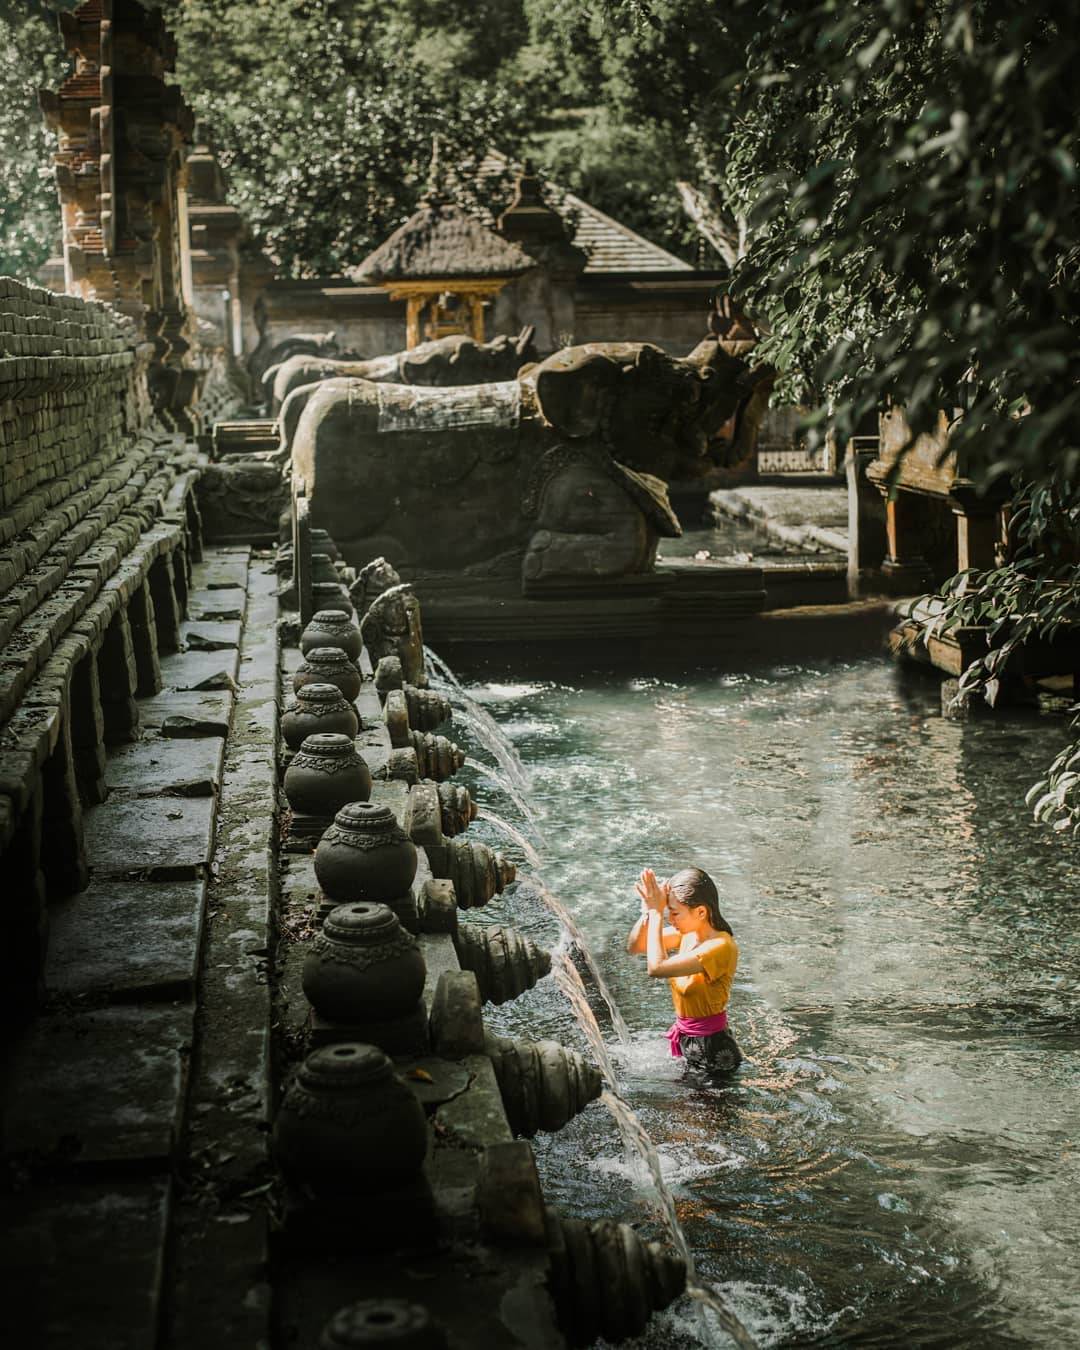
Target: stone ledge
point(99, 1087)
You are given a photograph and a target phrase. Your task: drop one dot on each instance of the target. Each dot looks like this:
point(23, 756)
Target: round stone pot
point(325, 774)
point(365, 855)
point(363, 966)
point(332, 628)
point(329, 665)
point(322, 543)
point(318, 708)
point(331, 595)
point(348, 1123)
point(382, 1324)
point(323, 569)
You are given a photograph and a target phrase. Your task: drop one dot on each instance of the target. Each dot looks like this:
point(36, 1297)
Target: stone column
point(88, 731)
point(867, 543)
point(63, 861)
point(144, 640)
point(26, 916)
point(118, 678)
point(166, 611)
point(904, 569)
point(978, 535)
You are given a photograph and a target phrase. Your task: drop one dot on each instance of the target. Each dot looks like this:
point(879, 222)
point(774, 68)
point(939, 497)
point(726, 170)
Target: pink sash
point(694, 1026)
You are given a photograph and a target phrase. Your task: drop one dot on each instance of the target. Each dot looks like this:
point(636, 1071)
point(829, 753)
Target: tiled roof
point(610, 247)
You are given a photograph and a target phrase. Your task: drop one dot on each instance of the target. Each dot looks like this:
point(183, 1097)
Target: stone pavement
point(94, 1104)
point(813, 518)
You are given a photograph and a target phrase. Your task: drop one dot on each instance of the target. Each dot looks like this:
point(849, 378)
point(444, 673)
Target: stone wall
point(97, 529)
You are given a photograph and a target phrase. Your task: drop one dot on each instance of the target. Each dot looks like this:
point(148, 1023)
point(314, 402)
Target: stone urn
point(382, 1324)
point(333, 628)
point(331, 595)
point(323, 569)
point(318, 708)
point(329, 665)
point(365, 855)
point(322, 543)
point(363, 966)
point(325, 774)
point(349, 1123)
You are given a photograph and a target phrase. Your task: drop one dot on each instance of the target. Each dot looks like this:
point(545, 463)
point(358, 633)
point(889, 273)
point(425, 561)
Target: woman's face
point(683, 918)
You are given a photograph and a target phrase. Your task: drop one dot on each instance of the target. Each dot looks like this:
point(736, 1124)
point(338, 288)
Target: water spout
point(528, 814)
point(487, 731)
point(513, 833)
point(577, 937)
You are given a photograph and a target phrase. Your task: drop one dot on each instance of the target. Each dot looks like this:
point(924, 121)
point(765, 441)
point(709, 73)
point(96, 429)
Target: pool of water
point(898, 1161)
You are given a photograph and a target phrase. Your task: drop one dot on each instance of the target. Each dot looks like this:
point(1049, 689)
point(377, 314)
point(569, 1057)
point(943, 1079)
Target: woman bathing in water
point(697, 953)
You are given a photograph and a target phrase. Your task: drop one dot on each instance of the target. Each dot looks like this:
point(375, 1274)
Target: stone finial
point(606, 1280)
point(348, 1123)
point(543, 1084)
point(504, 961)
point(388, 676)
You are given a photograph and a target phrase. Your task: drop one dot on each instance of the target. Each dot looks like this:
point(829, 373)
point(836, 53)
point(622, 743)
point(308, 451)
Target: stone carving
point(326, 774)
point(543, 1085)
point(318, 708)
point(365, 855)
point(333, 628)
point(606, 1280)
point(552, 477)
point(428, 708)
point(436, 756)
point(268, 353)
point(456, 807)
point(391, 627)
point(504, 961)
point(241, 500)
point(329, 665)
point(363, 964)
point(478, 873)
point(453, 360)
point(371, 581)
point(349, 1123)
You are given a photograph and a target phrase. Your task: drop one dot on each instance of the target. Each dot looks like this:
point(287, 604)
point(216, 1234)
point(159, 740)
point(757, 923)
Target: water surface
point(898, 1161)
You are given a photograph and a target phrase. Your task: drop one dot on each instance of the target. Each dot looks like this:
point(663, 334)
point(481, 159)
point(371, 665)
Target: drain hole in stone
point(380, 1319)
point(344, 1053)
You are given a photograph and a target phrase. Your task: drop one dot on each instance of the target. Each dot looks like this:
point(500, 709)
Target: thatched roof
point(441, 241)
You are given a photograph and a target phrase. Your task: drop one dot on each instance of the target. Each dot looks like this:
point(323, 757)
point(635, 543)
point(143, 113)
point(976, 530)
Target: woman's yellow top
point(705, 994)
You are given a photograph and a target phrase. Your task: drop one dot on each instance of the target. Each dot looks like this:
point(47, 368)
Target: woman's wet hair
point(693, 887)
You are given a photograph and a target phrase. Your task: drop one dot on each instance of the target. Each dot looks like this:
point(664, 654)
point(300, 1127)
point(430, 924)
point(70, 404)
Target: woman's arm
point(665, 967)
point(650, 890)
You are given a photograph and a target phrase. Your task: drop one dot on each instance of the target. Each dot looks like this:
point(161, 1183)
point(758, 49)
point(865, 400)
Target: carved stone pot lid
point(331, 618)
point(368, 818)
point(329, 659)
point(317, 697)
point(345, 1067)
point(364, 924)
point(326, 745)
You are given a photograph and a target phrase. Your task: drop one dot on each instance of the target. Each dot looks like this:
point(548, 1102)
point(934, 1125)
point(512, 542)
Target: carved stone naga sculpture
point(544, 482)
point(452, 360)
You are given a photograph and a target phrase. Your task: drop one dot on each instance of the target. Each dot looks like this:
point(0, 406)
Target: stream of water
point(897, 1161)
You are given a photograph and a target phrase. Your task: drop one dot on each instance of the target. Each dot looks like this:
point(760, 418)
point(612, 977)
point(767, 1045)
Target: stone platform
point(99, 1105)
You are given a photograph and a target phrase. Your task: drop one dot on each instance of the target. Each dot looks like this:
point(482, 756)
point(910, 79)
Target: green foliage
point(909, 168)
point(31, 57)
point(327, 114)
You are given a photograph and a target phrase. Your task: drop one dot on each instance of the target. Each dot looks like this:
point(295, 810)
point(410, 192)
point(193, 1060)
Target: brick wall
point(72, 390)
